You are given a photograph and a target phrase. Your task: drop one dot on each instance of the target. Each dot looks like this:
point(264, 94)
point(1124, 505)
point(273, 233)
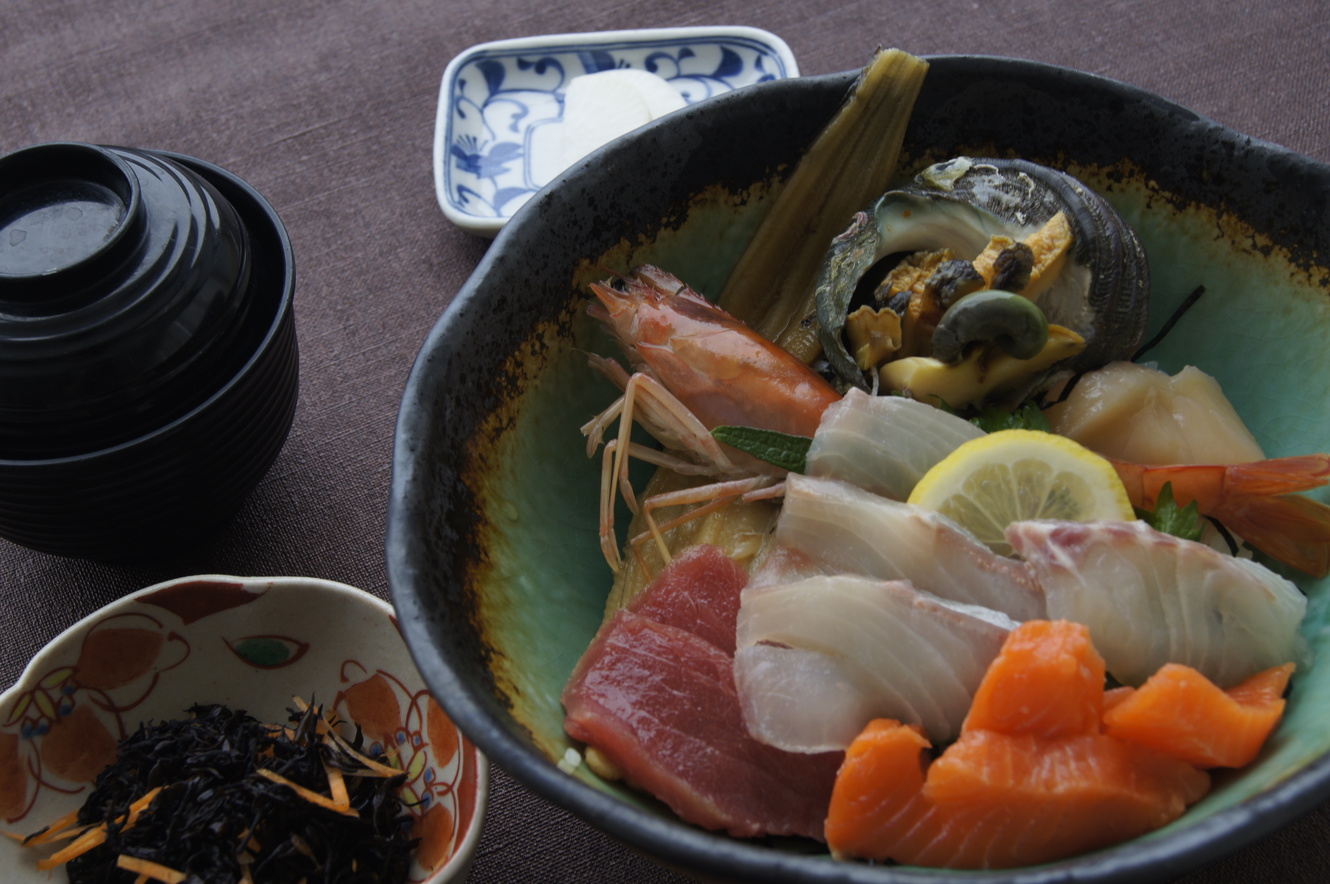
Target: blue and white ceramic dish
point(496, 138)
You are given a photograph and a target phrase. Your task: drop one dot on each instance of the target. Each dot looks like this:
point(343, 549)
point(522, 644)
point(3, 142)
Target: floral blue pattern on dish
point(501, 141)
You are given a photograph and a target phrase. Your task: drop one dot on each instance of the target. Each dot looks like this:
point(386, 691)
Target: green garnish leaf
point(1168, 517)
point(1028, 417)
point(782, 449)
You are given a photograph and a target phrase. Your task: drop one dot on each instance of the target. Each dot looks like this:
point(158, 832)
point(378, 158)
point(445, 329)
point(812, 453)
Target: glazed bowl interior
point(492, 530)
point(253, 644)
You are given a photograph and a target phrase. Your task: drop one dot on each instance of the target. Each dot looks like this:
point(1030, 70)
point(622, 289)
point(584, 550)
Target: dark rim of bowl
point(695, 850)
point(261, 219)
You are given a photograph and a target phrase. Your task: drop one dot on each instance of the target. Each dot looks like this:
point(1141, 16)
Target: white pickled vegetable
point(857, 532)
point(605, 105)
point(884, 443)
point(1149, 598)
point(819, 658)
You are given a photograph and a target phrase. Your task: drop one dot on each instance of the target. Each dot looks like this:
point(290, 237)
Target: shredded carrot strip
point(85, 842)
point(376, 767)
point(337, 787)
point(64, 827)
point(149, 870)
point(308, 794)
point(95, 836)
point(248, 842)
point(326, 727)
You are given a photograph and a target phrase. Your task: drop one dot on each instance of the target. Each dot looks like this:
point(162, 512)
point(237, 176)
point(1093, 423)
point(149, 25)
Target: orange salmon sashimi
point(1010, 792)
point(1036, 800)
point(1047, 681)
point(1182, 713)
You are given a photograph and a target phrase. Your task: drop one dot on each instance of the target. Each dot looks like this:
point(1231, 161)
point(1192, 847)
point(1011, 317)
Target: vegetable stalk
point(853, 160)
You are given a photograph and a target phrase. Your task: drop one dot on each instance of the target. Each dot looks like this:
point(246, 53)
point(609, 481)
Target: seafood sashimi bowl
point(535, 558)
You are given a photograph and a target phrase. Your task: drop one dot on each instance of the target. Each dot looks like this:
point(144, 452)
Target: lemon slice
point(1013, 475)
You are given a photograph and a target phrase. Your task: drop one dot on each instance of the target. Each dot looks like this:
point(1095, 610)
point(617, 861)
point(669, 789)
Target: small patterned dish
point(496, 138)
point(252, 644)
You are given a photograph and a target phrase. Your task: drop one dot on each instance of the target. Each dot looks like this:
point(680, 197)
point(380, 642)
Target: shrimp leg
point(669, 421)
point(608, 485)
point(711, 497)
point(695, 367)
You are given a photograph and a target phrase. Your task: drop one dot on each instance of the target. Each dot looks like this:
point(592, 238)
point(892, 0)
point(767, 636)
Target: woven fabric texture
point(328, 109)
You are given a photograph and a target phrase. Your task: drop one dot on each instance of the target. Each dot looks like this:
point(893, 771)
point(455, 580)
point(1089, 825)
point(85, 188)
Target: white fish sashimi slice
point(858, 532)
point(800, 700)
point(1149, 598)
point(884, 444)
point(779, 565)
point(819, 658)
point(605, 105)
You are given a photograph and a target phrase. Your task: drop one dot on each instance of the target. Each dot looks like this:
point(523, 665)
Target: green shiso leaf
point(1027, 417)
point(782, 449)
point(1168, 517)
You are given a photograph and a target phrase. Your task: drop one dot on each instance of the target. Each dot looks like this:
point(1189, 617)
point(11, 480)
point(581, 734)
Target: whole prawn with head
point(695, 367)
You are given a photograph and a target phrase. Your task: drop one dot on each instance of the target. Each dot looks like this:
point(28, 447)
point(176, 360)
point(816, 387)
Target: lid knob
point(70, 214)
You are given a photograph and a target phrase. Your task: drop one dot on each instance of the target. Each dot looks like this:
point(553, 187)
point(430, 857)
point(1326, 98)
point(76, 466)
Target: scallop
point(1093, 288)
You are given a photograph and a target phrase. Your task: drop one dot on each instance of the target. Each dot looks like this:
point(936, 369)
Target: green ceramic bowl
point(491, 545)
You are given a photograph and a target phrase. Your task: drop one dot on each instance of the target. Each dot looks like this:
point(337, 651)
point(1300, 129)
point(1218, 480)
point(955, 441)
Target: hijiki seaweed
point(223, 797)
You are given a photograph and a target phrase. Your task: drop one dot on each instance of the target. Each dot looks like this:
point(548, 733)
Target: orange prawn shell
point(1213, 486)
point(723, 371)
point(1256, 500)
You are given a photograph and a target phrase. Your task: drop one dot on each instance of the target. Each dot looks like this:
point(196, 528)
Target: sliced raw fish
point(658, 700)
point(884, 444)
point(1150, 598)
point(858, 532)
point(820, 658)
point(779, 565)
point(1011, 791)
point(698, 593)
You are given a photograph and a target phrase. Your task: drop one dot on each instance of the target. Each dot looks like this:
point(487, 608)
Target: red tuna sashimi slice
point(661, 704)
point(655, 694)
point(697, 592)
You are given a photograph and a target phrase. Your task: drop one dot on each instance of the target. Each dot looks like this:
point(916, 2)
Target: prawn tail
point(1214, 486)
point(1276, 476)
point(1203, 483)
point(1291, 528)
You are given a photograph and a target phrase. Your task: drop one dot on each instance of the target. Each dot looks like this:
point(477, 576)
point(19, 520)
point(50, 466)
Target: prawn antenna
point(1182, 308)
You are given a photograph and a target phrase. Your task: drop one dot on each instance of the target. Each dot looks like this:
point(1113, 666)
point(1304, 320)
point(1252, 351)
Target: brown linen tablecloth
point(328, 109)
